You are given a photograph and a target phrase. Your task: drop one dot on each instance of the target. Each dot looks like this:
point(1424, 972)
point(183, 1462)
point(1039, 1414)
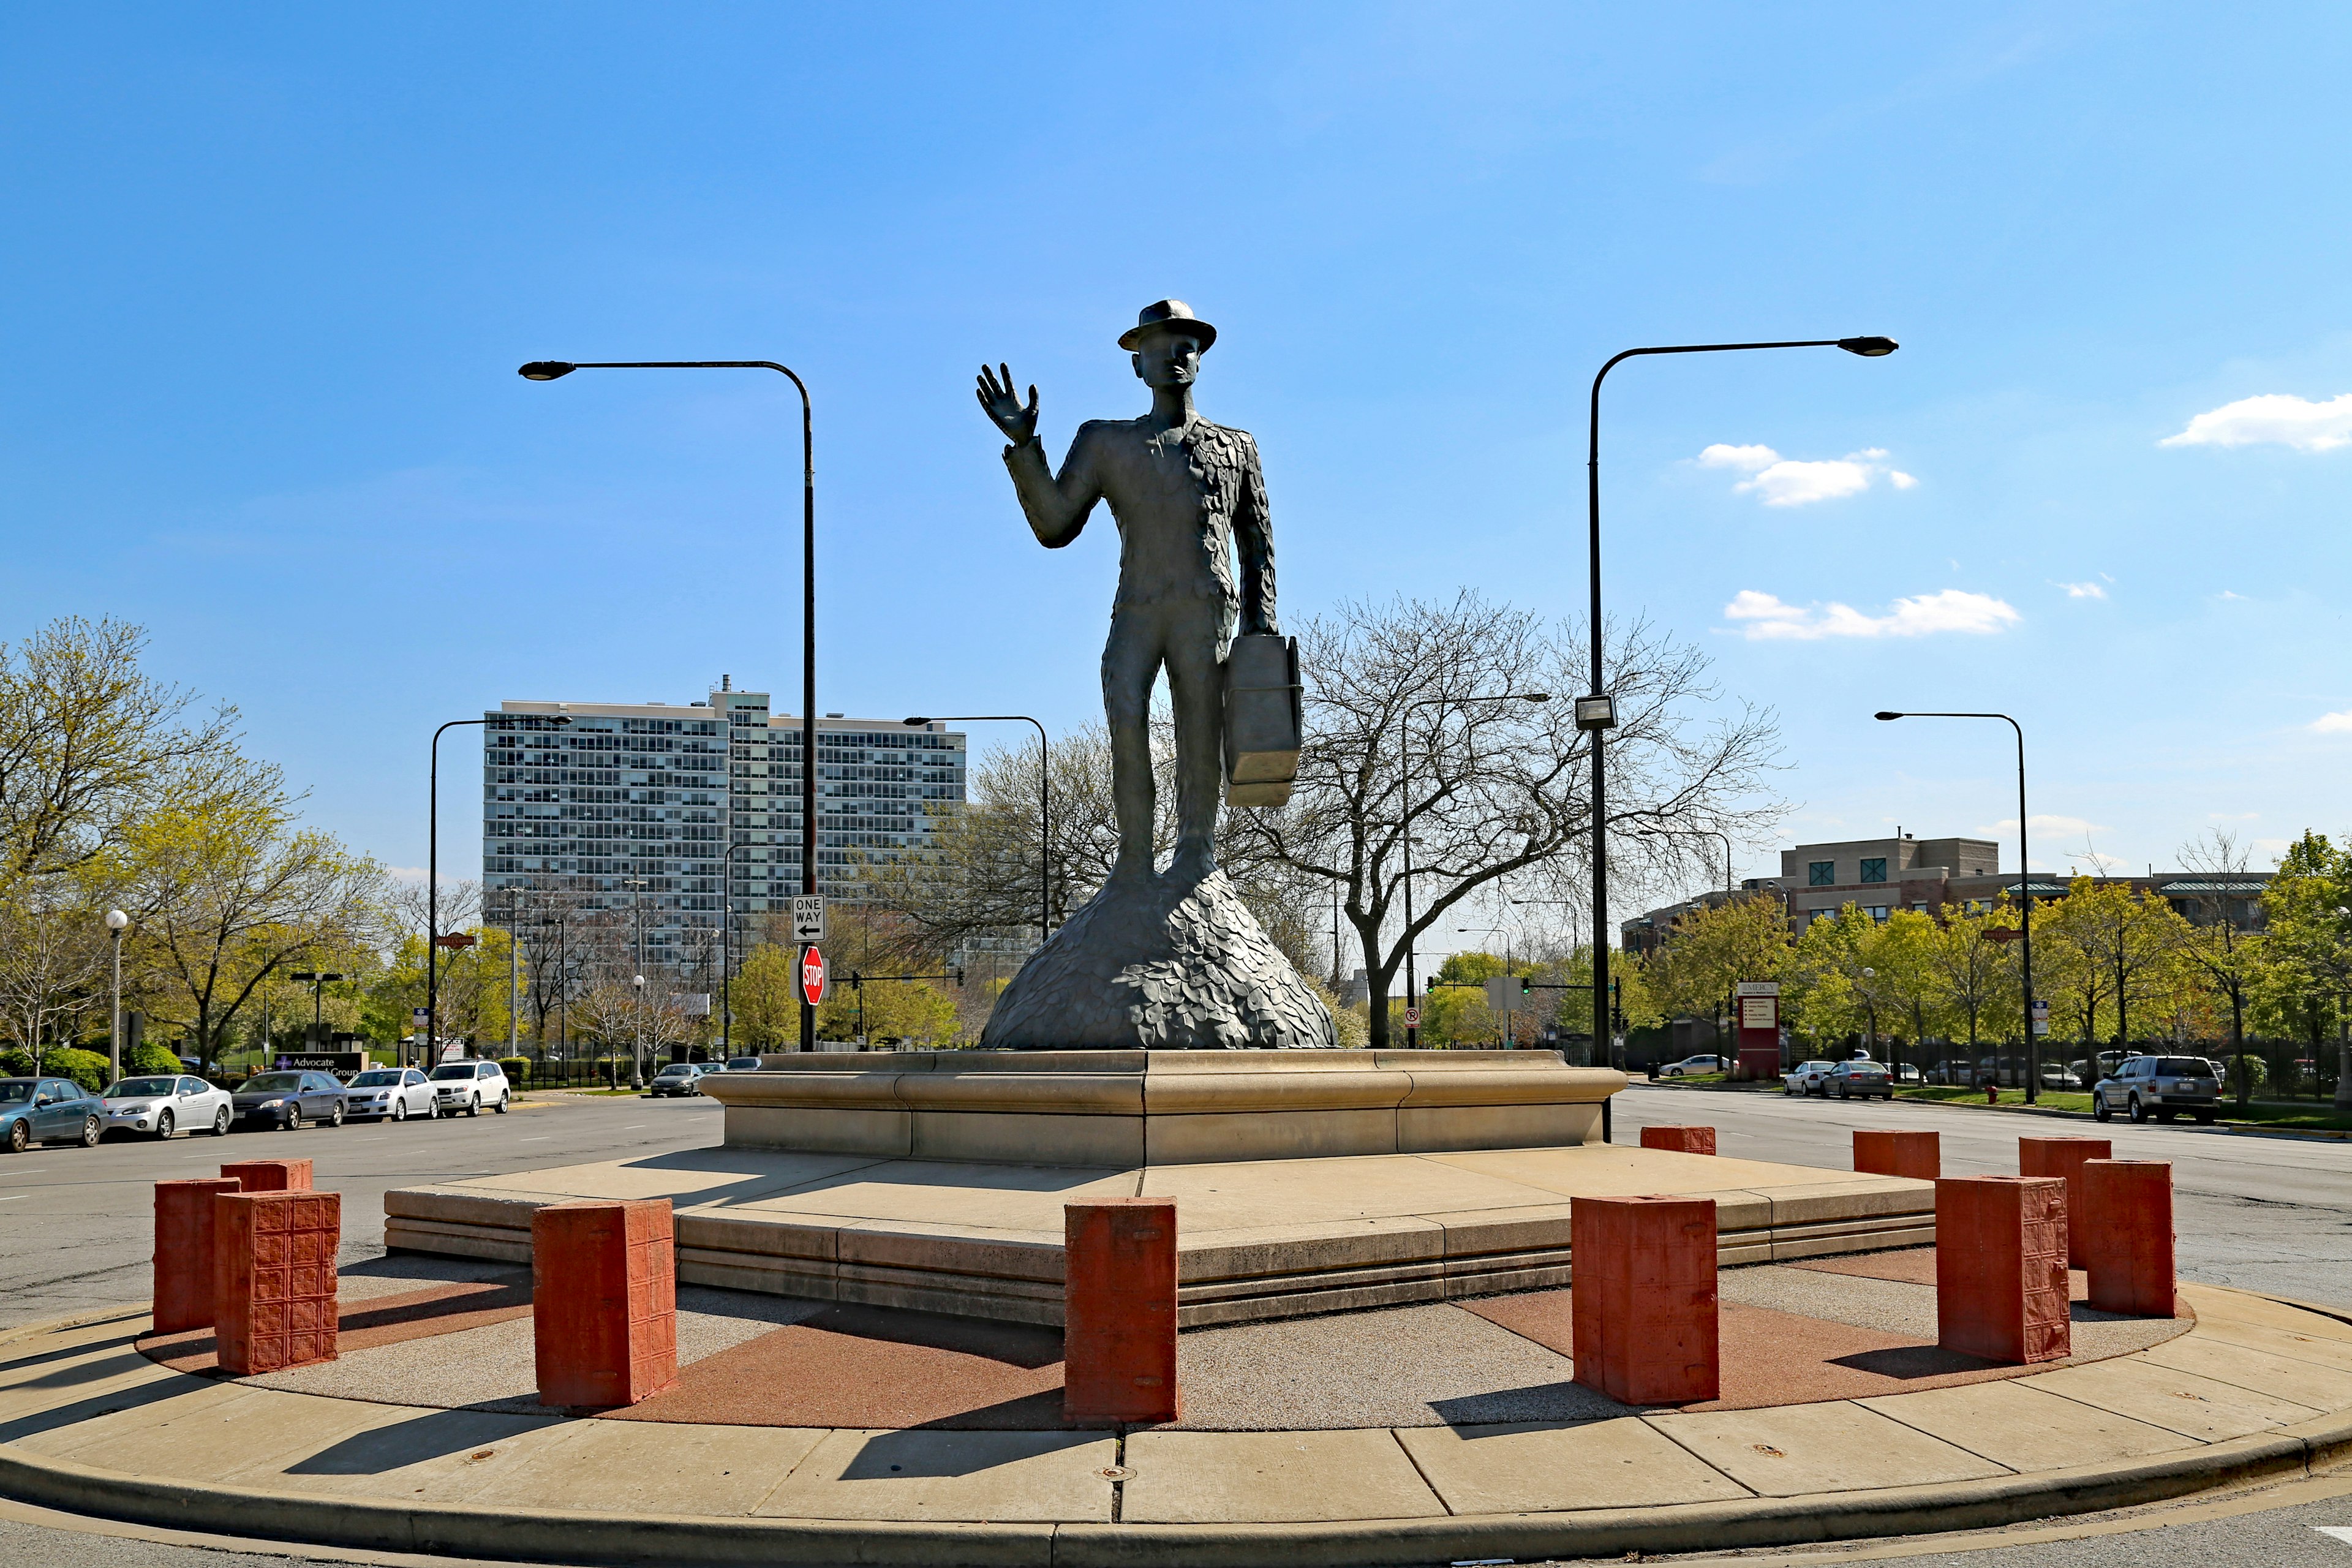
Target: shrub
point(87, 1069)
point(147, 1057)
point(15, 1063)
point(516, 1068)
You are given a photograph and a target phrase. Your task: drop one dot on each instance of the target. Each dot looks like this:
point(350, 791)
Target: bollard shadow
point(1566, 1402)
point(1906, 1363)
point(64, 1353)
point(76, 1411)
point(922, 1453)
point(1025, 1345)
point(414, 1442)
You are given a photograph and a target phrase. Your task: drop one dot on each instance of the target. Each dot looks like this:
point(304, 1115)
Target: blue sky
point(269, 272)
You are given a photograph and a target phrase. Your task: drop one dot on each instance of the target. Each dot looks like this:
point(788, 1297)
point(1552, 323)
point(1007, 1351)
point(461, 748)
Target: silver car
point(159, 1106)
point(398, 1093)
point(1807, 1077)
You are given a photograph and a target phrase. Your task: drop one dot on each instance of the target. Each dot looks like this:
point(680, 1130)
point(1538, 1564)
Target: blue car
point(48, 1110)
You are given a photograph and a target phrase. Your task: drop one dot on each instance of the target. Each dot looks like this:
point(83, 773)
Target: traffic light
point(1526, 986)
point(957, 970)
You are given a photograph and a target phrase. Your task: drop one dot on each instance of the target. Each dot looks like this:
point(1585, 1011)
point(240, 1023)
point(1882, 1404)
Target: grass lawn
point(2314, 1114)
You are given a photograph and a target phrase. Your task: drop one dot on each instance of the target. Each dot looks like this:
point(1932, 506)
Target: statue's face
point(1167, 359)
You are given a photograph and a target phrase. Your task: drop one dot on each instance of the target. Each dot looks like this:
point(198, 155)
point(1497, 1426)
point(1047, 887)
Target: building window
point(1821, 874)
point(1874, 871)
point(1878, 912)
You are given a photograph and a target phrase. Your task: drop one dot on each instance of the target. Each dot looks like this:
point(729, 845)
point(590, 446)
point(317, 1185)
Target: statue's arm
point(1254, 538)
point(1056, 504)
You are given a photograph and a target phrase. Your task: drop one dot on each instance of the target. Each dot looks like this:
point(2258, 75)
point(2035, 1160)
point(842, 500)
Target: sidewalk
point(90, 1424)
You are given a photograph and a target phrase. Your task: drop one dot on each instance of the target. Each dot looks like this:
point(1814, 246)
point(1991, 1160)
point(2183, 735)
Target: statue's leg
point(1196, 684)
point(1130, 662)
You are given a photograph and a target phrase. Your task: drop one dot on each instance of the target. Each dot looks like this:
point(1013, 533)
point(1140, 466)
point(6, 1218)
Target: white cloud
point(2082, 590)
point(2334, 723)
point(1952, 610)
point(1784, 481)
point(2275, 418)
point(2044, 825)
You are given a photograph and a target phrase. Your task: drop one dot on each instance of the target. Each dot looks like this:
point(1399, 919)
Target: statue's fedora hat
point(1171, 313)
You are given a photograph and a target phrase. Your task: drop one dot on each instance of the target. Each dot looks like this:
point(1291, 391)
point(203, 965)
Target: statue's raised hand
point(998, 401)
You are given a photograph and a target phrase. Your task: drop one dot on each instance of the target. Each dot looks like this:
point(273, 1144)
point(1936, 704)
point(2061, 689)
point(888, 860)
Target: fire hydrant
point(1992, 1094)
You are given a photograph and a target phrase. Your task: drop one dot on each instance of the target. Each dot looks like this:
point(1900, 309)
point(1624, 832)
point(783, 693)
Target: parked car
point(2056, 1077)
point(1861, 1077)
point(679, 1078)
point(743, 1064)
point(2161, 1087)
point(469, 1086)
point(1806, 1078)
point(48, 1110)
point(163, 1106)
point(1908, 1075)
point(396, 1092)
point(283, 1099)
point(1690, 1067)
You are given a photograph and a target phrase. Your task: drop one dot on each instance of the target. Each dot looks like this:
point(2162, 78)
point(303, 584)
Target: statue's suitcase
point(1265, 719)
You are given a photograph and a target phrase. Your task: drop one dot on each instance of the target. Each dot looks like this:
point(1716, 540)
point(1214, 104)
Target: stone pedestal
point(1118, 1311)
point(2127, 1236)
point(1682, 1140)
point(603, 1302)
point(2063, 1158)
point(2001, 1268)
point(1917, 1156)
point(183, 1252)
point(274, 1286)
point(1643, 1300)
point(269, 1175)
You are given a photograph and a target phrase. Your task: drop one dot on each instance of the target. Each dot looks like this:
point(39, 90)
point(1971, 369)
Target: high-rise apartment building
point(658, 813)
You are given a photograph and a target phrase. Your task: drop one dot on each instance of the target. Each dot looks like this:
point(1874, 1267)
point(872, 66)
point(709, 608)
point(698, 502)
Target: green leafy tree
point(2303, 991)
point(1713, 947)
point(1975, 973)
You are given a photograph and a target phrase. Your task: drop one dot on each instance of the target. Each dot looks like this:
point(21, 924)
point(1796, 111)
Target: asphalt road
point(77, 1226)
point(2266, 1212)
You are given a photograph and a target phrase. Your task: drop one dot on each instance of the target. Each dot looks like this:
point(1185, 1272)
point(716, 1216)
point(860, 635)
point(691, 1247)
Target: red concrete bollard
point(2001, 1268)
point(274, 1287)
point(2127, 1236)
point(183, 1252)
point(2063, 1157)
point(270, 1175)
point(1918, 1155)
point(1683, 1140)
point(1642, 1302)
point(604, 1301)
point(1118, 1311)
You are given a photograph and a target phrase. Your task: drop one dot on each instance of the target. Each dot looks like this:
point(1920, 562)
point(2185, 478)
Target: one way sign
point(808, 918)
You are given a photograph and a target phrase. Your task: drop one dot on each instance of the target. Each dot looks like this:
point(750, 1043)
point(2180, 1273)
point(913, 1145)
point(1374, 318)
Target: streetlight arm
point(1045, 801)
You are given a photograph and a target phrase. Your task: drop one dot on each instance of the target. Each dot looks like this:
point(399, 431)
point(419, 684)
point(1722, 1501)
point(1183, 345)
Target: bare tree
point(1408, 724)
point(2228, 960)
point(53, 951)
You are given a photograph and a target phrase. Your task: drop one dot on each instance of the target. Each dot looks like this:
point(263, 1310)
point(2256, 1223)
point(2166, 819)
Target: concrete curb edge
point(550, 1535)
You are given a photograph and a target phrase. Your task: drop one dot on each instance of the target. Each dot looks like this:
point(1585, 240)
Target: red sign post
point(1759, 1030)
point(813, 976)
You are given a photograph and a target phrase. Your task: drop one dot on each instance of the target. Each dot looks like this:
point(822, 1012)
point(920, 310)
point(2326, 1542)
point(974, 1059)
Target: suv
point(1806, 1078)
point(2161, 1087)
point(468, 1086)
point(679, 1078)
point(1861, 1077)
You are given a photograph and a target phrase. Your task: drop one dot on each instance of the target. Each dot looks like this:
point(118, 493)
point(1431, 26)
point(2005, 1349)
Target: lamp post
point(1596, 712)
point(116, 923)
point(552, 370)
point(316, 980)
point(1556, 904)
point(433, 875)
point(636, 886)
point(2024, 895)
point(1045, 803)
point(1404, 788)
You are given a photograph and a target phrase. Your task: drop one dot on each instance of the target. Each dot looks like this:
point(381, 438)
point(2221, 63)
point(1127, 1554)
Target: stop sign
point(813, 976)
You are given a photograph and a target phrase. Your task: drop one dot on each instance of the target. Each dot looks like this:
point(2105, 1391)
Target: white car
point(396, 1092)
point(161, 1106)
point(469, 1087)
point(1809, 1077)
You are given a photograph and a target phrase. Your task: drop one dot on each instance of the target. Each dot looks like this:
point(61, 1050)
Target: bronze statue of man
point(1185, 494)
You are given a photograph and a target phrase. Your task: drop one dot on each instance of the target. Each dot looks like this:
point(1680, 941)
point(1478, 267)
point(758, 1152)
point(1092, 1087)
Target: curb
point(538, 1535)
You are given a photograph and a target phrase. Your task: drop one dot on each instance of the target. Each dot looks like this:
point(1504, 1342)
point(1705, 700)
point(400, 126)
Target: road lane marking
point(2342, 1532)
point(536, 1139)
point(12, 1197)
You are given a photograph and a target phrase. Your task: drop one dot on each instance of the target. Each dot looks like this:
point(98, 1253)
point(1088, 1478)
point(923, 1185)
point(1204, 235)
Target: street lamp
point(552, 370)
point(1404, 788)
point(433, 875)
point(316, 979)
point(636, 886)
point(1044, 804)
point(1596, 713)
point(116, 922)
point(2024, 895)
